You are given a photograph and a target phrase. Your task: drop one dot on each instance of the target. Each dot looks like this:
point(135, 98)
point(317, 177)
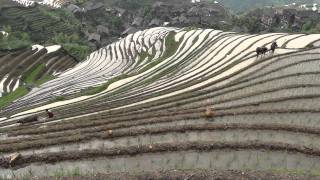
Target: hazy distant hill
point(243, 5)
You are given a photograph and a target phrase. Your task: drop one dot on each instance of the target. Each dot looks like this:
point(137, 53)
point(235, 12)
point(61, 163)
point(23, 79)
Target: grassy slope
point(31, 79)
point(41, 25)
point(32, 75)
point(10, 97)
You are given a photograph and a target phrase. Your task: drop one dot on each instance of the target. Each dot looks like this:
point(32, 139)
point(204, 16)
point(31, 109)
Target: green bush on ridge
point(73, 44)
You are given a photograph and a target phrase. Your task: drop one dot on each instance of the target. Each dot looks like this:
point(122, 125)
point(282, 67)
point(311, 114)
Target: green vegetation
point(14, 40)
point(30, 78)
point(250, 23)
point(10, 97)
point(95, 90)
point(311, 27)
point(132, 4)
point(60, 15)
point(61, 172)
point(44, 79)
point(57, 99)
point(73, 44)
point(80, 2)
point(309, 46)
point(190, 28)
point(41, 25)
point(143, 56)
point(60, 98)
point(245, 5)
point(32, 75)
point(171, 47)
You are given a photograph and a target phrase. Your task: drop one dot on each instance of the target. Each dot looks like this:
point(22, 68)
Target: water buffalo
point(261, 51)
point(27, 120)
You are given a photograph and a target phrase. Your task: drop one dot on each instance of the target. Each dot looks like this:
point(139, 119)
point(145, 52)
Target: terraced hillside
point(49, 3)
point(25, 69)
point(40, 22)
point(169, 98)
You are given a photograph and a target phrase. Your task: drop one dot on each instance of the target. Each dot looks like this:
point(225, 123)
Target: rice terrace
point(161, 103)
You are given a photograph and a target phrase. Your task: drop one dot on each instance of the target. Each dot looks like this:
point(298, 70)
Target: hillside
point(174, 99)
point(27, 26)
point(84, 26)
point(24, 69)
point(246, 5)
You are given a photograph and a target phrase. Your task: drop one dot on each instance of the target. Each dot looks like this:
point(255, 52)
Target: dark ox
point(27, 120)
point(261, 51)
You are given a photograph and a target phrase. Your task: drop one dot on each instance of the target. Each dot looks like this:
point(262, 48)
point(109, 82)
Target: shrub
point(132, 4)
point(14, 40)
point(73, 44)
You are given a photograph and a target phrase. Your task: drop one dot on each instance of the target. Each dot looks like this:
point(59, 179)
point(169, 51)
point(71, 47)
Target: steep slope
point(138, 58)
point(25, 69)
point(49, 3)
point(246, 5)
point(179, 99)
point(41, 23)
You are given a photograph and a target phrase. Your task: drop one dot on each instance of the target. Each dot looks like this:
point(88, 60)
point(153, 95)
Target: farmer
point(49, 113)
point(274, 45)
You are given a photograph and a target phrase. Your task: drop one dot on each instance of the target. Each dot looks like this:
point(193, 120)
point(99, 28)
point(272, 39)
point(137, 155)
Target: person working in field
point(49, 113)
point(274, 45)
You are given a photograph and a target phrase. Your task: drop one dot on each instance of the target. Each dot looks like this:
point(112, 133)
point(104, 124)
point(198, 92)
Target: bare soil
point(63, 138)
point(50, 158)
point(192, 175)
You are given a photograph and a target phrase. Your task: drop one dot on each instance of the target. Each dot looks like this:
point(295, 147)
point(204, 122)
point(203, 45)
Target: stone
point(14, 157)
point(209, 112)
point(110, 132)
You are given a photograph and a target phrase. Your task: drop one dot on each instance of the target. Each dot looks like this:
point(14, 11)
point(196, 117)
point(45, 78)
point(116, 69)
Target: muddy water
point(227, 159)
point(308, 140)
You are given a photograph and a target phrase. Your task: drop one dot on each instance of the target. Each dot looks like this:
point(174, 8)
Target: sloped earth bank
point(250, 155)
point(208, 104)
point(192, 175)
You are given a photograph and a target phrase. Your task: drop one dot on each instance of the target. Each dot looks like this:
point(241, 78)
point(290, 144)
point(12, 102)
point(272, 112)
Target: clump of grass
point(44, 79)
point(61, 172)
point(171, 48)
point(57, 99)
point(96, 90)
point(32, 75)
point(310, 46)
point(190, 28)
